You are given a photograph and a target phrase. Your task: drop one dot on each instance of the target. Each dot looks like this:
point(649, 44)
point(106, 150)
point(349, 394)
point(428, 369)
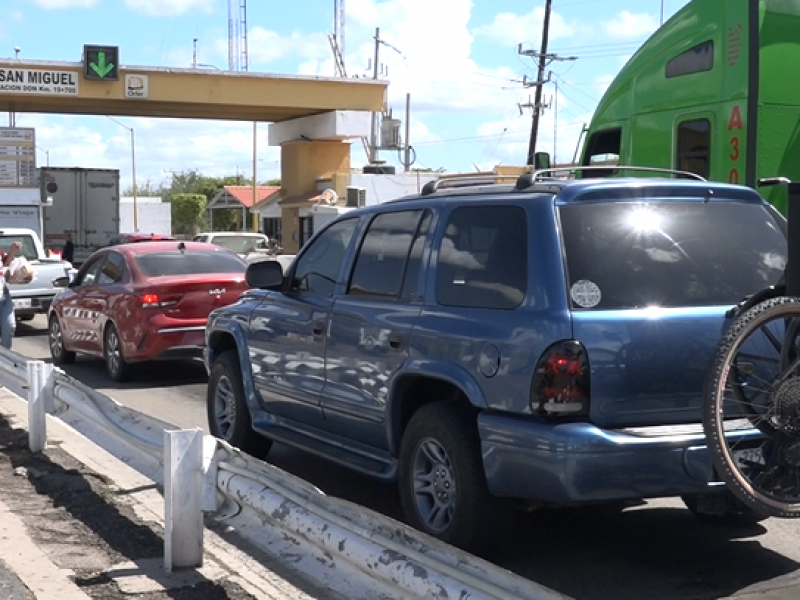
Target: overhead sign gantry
point(99, 85)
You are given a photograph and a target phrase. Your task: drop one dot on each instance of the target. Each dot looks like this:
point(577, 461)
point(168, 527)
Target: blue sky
point(458, 60)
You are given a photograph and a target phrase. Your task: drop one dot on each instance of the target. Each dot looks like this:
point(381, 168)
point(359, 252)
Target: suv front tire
point(228, 416)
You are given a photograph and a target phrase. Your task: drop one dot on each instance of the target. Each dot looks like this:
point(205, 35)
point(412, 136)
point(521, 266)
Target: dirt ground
point(74, 516)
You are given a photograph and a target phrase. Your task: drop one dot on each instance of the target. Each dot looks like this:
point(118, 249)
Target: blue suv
point(544, 342)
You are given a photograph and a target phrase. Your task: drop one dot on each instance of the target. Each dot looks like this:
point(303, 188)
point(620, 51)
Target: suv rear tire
point(443, 488)
point(226, 408)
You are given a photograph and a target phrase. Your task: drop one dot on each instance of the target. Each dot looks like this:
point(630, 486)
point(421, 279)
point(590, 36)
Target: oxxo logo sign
point(101, 63)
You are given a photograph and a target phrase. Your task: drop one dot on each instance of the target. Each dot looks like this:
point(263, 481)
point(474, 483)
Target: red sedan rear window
point(188, 262)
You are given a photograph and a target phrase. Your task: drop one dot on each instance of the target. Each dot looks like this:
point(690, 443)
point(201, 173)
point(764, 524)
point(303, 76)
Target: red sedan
point(140, 302)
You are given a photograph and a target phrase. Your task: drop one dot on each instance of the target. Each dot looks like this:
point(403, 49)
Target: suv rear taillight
point(561, 383)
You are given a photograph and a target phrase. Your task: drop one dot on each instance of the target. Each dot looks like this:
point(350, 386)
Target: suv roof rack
point(537, 175)
point(549, 175)
point(465, 180)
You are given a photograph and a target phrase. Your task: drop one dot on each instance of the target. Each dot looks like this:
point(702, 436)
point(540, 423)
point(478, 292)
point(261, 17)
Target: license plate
point(748, 457)
point(22, 302)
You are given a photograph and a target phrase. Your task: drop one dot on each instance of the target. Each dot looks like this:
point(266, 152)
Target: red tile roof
point(243, 194)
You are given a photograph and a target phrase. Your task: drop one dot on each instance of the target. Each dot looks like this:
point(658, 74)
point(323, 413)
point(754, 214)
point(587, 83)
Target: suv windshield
point(670, 254)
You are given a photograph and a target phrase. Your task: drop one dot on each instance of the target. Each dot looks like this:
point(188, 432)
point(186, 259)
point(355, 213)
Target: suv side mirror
point(541, 160)
point(264, 274)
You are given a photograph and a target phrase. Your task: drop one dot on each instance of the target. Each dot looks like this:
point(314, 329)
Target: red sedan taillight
point(159, 301)
point(561, 383)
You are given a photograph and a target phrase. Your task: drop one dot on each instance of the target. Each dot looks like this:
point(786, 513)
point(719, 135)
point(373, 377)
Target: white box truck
point(82, 202)
point(21, 207)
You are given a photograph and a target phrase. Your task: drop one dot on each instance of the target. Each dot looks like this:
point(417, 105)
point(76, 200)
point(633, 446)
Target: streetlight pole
point(46, 153)
point(133, 172)
point(255, 217)
point(12, 116)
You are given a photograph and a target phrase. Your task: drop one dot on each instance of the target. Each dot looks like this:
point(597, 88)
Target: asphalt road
point(657, 551)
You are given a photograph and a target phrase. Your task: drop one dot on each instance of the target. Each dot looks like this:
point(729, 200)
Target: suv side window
point(483, 258)
point(318, 268)
point(411, 277)
point(384, 255)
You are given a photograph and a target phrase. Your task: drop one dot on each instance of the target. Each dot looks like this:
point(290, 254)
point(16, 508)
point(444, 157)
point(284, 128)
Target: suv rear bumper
point(579, 463)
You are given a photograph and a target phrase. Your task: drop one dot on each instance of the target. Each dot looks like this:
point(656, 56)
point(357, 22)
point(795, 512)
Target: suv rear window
point(670, 254)
point(188, 262)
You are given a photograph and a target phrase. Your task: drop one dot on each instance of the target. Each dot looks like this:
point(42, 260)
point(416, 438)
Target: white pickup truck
point(251, 246)
point(52, 274)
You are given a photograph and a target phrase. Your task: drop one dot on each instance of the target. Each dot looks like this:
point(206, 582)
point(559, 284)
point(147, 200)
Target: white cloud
point(214, 148)
point(510, 29)
point(267, 46)
point(57, 4)
point(628, 26)
point(166, 8)
point(425, 51)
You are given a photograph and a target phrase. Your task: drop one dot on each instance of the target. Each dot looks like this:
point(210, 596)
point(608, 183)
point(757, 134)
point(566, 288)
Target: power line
point(481, 138)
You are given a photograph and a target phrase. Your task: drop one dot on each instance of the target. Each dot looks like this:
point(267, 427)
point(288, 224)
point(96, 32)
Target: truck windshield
point(28, 249)
point(662, 254)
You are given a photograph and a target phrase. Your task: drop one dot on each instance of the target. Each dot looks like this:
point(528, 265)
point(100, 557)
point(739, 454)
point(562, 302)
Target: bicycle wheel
point(751, 412)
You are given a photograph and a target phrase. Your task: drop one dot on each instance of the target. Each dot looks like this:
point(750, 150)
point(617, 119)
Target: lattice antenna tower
point(237, 35)
point(338, 9)
point(337, 40)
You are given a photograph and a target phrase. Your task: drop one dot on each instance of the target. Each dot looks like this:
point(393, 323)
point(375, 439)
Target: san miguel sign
point(39, 81)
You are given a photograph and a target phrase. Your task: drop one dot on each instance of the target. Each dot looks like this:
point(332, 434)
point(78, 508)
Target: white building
point(153, 215)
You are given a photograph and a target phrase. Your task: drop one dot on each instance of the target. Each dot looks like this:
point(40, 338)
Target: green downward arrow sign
point(101, 67)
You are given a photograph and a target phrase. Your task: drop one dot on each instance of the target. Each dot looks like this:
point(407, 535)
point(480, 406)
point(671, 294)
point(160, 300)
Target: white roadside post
point(38, 374)
point(183, 490)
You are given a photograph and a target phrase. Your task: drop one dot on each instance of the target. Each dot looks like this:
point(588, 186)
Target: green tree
point(188, 213)
point(148, 188)
point(192, 182)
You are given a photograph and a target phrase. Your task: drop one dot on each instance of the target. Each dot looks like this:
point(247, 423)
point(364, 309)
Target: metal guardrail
point(204, 475)
point(15, 366)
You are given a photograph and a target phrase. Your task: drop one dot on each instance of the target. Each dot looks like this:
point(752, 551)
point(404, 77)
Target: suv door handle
point(318, 328)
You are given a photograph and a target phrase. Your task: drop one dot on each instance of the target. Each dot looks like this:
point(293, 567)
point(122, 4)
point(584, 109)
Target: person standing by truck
point(69, 249)
point(8, 321)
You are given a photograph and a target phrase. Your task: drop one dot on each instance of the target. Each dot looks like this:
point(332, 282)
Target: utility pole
point(373, 128)
point(407, 155)
point(555, 123)
point(543, 59)
point(539, 83)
